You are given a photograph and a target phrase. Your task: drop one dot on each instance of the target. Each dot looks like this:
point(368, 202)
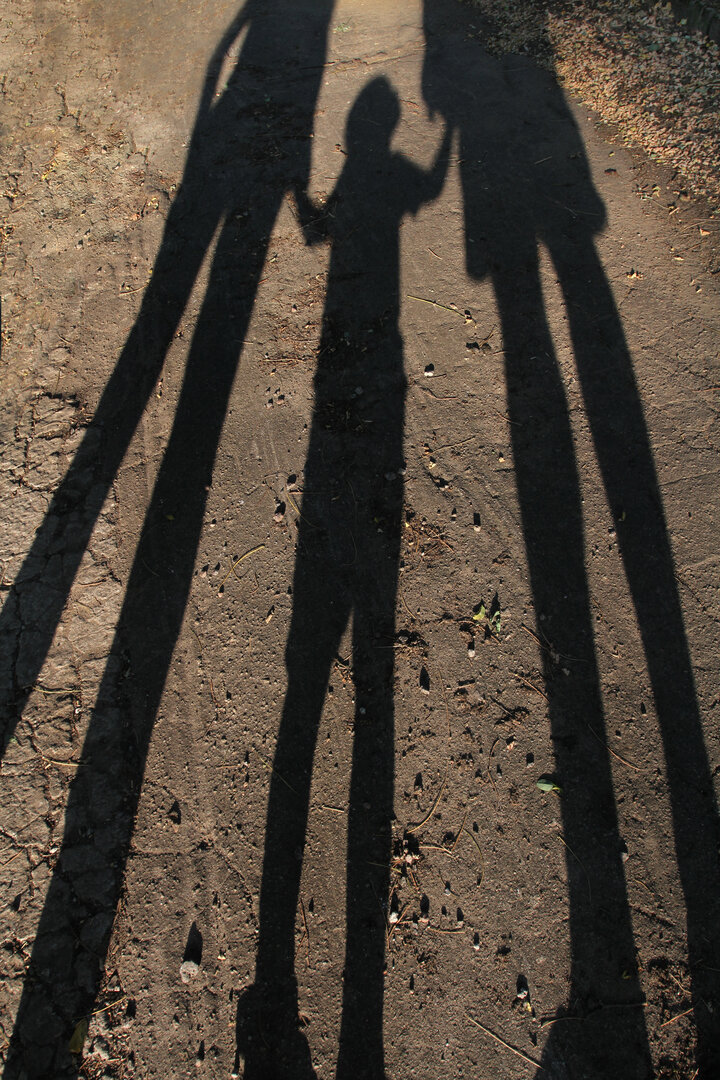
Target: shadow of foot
point(269, 1037)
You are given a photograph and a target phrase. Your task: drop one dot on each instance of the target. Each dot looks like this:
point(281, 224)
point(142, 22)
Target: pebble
point(189, 970)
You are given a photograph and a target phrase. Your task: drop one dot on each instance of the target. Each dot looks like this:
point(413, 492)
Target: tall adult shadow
point(346, 568)
point(525, 181)
point(250, 147)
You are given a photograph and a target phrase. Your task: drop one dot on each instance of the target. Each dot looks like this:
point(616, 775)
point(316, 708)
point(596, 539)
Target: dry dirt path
point(359, 502)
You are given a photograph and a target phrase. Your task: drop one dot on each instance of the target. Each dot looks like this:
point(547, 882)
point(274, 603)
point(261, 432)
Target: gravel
point(637, 64)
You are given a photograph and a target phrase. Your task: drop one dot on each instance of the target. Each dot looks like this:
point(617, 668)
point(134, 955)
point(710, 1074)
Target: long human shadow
point(525, 182)
point(250, 147)
point(346, 569)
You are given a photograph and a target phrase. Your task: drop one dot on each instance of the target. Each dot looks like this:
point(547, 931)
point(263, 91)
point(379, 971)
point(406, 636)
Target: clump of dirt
point(637, 64)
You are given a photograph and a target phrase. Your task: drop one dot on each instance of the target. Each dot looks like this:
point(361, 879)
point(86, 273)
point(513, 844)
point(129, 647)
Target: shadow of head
point(373, 118)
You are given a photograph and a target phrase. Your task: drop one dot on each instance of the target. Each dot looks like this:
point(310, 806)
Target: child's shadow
point(347, 562)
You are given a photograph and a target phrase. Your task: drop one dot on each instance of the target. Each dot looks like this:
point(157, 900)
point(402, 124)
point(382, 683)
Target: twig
point(467, 810)
point(674, 1018)
point(212, 695)
point(476, 842)
point(404, 604)
point(452, 445)
point(547, 1020)
point(531, 685)
point(299, 512)
point(438, 397)
point(431, 811)
point(563, 841)
point(57, 761)
point(489, 764)
point(11, 859)
point(444, 693)
point(434, 303)
point(603, 742)
point(272, 770)
point(401, 919)
point(105, 1008)
point(550, 648)
point(515, 423)
point(237, 562)
point(307, 931)
point(512, 1049)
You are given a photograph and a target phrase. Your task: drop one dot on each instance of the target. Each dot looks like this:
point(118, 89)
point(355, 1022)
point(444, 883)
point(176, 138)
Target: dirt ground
point(360, 623)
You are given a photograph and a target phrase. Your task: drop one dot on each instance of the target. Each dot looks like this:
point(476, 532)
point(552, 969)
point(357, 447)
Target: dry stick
point(118, 1001)
point(646, 887)
point(444, 693)
point(677, 983)
point(609, 748)
point(212, 695)
point(307, 931)
point(515, 423)
point(674, 1018)
point(489, 764)
point(57, 761)
point(512, 1049)
point(438, 847)
point(12, 858)
point(547, 646)
point(528, 683)
point(563, 841)
point(460, 830)
point(272, 770)
point(431, 811)
point(434, 303)
point(402, 600)
point(392, 927)
point(548, 1020)
point(237, 562)
point(452, 445)
point(299, 512)
point(476, 842)
point(445, 929)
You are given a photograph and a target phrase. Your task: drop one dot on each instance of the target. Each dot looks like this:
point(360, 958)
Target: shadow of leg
point(268, 1035)
point(361, 1053)
point(604, 970)
point(68, 956)
point(44, 581)
point(623, 448)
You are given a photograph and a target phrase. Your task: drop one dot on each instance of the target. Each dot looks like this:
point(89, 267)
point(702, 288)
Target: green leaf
point(78, 1036)
point(479, 614)
point(545, 783)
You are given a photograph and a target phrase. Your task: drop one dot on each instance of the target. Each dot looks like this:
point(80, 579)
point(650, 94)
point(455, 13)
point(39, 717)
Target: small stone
point(189, 970)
